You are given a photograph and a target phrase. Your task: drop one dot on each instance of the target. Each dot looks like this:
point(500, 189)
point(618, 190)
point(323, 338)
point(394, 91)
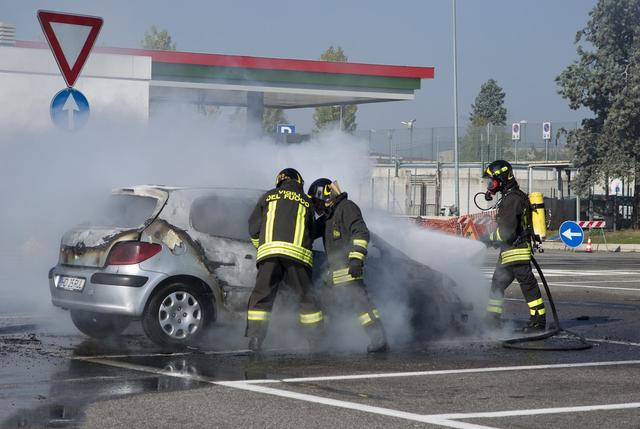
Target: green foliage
point(606, 80)
point(329, 116)
point(488, 107)
point(271, 118)
point(158, 40)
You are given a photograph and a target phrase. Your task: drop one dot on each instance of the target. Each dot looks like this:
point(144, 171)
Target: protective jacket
point(512, 234)
point(281, 224)
point(345, 236)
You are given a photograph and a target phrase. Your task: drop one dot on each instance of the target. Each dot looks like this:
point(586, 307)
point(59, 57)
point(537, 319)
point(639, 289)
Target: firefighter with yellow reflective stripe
point(280, 228)
point(346, 237)
point(513, 236)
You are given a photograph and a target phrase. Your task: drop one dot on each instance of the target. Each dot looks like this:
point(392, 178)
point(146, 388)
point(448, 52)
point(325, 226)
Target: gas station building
point(128, 83)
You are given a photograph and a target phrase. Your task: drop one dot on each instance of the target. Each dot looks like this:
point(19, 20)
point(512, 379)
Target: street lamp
point(455, 111)
point(409, 124)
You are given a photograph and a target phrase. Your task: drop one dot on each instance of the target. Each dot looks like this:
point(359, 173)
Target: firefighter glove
point(355, 268)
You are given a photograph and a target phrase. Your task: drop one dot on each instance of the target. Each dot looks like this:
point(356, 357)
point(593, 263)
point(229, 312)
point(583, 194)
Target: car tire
point(98, 325)
point(178, 314)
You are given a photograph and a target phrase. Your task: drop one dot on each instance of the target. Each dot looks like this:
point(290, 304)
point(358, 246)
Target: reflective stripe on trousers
point(536, 307)
point(311, 318)
point(365, 318)
point(343, 276)
point(258, 315)
point(495, 306)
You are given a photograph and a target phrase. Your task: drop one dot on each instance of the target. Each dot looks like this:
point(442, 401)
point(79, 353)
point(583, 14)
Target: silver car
point(177, 258)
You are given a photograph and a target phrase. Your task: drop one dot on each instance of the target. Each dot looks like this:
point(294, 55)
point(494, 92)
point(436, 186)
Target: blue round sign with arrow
point(571, 234)
point(69, 109)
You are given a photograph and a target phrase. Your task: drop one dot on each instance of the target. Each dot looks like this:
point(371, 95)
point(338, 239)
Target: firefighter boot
point(378, 339)
point(494, 321)
point(536, 323)
point(255, 344)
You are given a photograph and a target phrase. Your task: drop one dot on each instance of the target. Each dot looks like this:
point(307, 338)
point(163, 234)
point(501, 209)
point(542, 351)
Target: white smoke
point(52, 180)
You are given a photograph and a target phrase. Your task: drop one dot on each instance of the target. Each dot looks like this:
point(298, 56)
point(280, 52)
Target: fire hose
point(556, 330)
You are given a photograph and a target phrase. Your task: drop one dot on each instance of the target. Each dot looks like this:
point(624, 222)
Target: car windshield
point(223, 214)
point(124, 211)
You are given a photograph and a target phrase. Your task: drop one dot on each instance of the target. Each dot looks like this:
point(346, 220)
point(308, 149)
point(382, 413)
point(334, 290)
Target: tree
point(158, 40)
point(343, 117)
point(488, 108)
point(606, 80)
point(271, 118)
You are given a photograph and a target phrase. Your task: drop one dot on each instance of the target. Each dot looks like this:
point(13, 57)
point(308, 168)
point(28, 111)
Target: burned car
point(178, 258)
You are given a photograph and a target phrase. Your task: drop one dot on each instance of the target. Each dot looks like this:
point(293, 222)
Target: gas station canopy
point(282, 83)
point(285, 83)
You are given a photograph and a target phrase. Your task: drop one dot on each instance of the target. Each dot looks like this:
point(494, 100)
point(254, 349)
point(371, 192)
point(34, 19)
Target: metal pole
point(455, 111)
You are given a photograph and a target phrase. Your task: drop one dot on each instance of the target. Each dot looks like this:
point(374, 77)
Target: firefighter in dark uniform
point(280, 228)
point(514, 238)
point(346, 237)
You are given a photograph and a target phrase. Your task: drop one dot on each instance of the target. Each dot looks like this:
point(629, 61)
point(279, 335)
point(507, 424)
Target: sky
point(522, 44)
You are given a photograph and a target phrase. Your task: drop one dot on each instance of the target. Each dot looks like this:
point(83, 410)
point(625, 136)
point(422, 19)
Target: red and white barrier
point(592, 224)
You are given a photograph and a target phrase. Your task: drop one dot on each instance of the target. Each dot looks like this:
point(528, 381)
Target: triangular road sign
point(71, 38)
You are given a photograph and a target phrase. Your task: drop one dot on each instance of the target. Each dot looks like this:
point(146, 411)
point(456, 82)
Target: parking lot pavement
point(54, 379)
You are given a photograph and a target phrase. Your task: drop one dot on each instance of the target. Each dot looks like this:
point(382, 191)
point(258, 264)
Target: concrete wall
point(116, 86)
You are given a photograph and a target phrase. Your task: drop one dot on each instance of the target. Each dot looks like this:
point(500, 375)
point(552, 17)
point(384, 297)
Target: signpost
point(71, 38)
point(571, 234)
point(546, 136)
point(515, 136)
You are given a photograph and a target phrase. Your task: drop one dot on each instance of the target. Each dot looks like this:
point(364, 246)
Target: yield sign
point(71, 38)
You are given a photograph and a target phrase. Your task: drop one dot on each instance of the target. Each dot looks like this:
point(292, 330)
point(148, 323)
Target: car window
point(123, 211)
point(223, 215)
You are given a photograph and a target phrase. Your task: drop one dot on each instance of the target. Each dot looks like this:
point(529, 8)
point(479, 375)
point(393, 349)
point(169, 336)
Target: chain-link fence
point(476, 144)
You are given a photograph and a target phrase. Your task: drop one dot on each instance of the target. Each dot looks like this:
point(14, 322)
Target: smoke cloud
point(52, 180)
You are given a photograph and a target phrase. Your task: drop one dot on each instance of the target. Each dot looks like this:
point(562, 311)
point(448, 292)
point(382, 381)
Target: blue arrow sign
point(69, 109)
point(571, 234)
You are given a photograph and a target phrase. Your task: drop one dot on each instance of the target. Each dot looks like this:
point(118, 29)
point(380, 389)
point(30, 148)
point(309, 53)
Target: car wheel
point(177, 315)
point(99, 325)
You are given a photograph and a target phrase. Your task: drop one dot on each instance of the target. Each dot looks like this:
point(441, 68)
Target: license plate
point(71, 283)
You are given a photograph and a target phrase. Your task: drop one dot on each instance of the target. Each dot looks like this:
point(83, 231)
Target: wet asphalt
point(52, 376)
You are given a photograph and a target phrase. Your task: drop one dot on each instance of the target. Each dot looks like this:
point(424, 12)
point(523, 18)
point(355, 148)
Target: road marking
point(576, 286)
point(436, 420)
point(150, 369)
point(191, 353)
point(446, 420)
point(537, 412)
point(446, 372)
point(622, 343)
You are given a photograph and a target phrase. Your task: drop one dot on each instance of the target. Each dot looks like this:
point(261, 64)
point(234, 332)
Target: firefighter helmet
point(289, 174)
point(320, 190)
point(500, 175)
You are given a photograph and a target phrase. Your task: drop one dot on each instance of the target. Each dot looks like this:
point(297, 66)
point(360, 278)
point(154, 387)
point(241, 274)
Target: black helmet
point(320, 189)
point(289, 173)
point(500, 175)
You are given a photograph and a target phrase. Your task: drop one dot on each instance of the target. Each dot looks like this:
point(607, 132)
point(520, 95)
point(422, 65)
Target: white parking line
point(448, 371)
point(436, 420)
point(190, 353)
point(537, 411)
point(622, 343)
point(446, 420)
point(578, 286)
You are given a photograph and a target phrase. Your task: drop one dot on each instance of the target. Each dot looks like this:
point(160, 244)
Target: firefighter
point(514, 238)
point(346, 237)
point(280, 228)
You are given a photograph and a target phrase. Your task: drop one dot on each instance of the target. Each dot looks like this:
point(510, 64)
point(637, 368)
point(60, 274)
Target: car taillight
point(132, 252)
